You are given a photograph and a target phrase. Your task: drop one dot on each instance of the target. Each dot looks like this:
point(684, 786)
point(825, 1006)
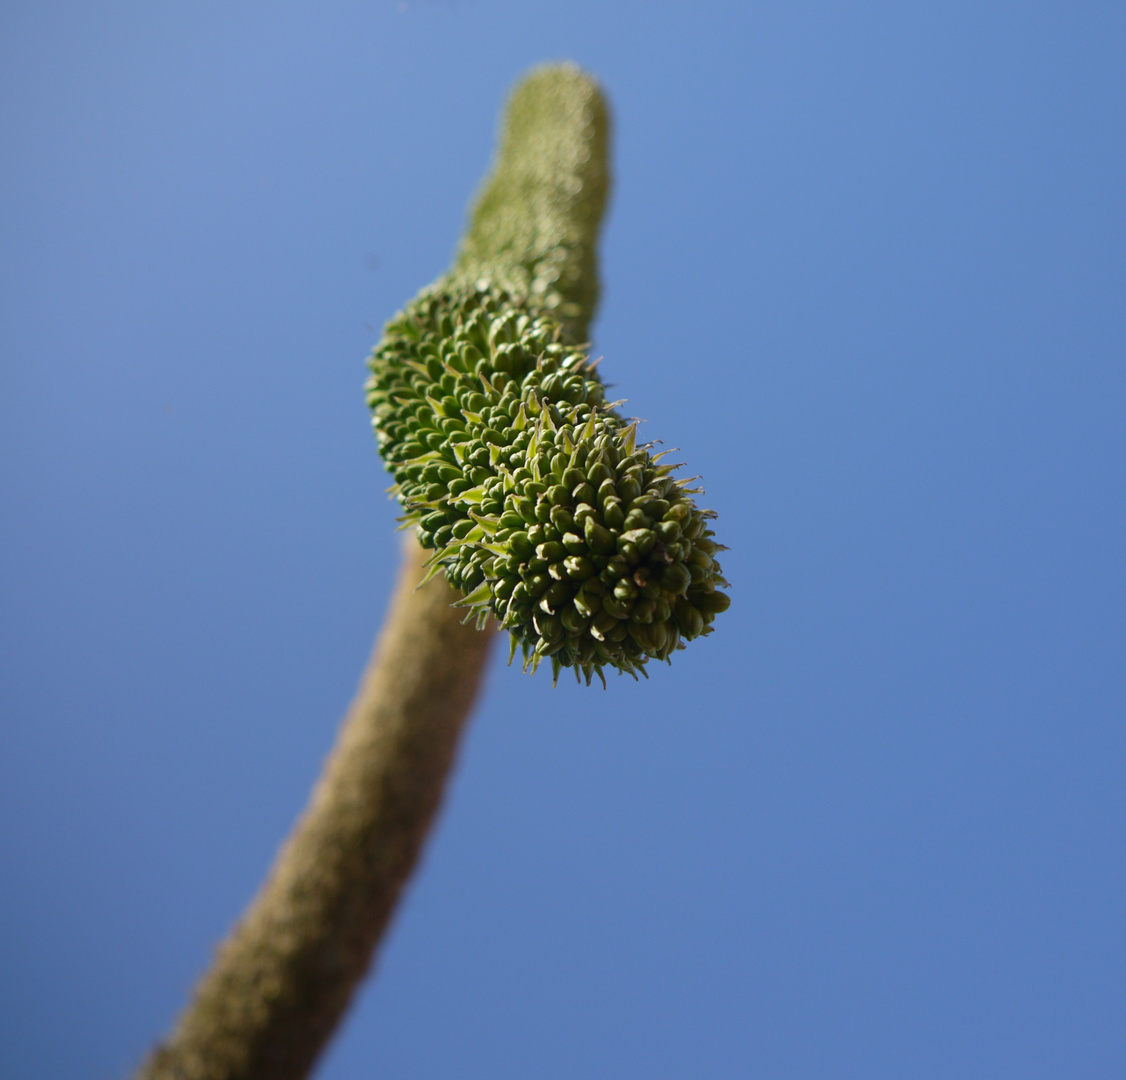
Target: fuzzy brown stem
point(283, 979)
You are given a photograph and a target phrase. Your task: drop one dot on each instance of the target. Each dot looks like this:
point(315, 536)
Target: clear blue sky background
point(864, 264)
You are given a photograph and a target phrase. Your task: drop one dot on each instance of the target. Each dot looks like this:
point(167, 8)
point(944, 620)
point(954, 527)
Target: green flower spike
point(531, 490)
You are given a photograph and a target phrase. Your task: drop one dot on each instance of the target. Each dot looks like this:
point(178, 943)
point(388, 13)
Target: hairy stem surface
point(283, 979)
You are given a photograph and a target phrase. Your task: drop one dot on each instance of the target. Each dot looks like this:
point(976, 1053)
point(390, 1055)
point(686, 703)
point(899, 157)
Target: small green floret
point(520, 477)
point(531, 490)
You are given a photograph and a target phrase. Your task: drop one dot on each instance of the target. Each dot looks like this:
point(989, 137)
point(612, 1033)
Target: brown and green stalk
point(281, 982)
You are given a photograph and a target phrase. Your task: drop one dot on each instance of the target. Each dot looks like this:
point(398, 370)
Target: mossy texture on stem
point(539, 504)
point(533, 231)
point(281, 982)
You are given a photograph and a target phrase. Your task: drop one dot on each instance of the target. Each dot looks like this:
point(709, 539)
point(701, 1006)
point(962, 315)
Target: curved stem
point(282, 980)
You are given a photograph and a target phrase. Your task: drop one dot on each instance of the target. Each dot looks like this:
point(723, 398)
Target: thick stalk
point(281, 982)
point(283, 979)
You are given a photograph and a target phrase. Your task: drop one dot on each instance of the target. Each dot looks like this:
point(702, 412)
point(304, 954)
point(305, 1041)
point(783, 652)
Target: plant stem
point(283, 979)
point(534, 227)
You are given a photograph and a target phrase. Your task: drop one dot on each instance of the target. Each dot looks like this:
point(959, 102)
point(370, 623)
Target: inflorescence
point(531, 490)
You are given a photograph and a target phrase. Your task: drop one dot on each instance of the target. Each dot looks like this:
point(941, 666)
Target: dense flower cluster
point(539, 505)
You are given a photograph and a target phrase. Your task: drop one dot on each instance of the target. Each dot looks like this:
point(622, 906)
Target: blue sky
point(864, 265)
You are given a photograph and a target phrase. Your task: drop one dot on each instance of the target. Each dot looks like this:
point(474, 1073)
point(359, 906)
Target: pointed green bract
point(529, 487)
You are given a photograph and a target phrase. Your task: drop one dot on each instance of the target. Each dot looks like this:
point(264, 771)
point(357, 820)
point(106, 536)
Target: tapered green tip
point(533, 229)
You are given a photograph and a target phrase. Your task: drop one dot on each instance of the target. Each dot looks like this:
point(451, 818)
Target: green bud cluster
point(540, 506)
